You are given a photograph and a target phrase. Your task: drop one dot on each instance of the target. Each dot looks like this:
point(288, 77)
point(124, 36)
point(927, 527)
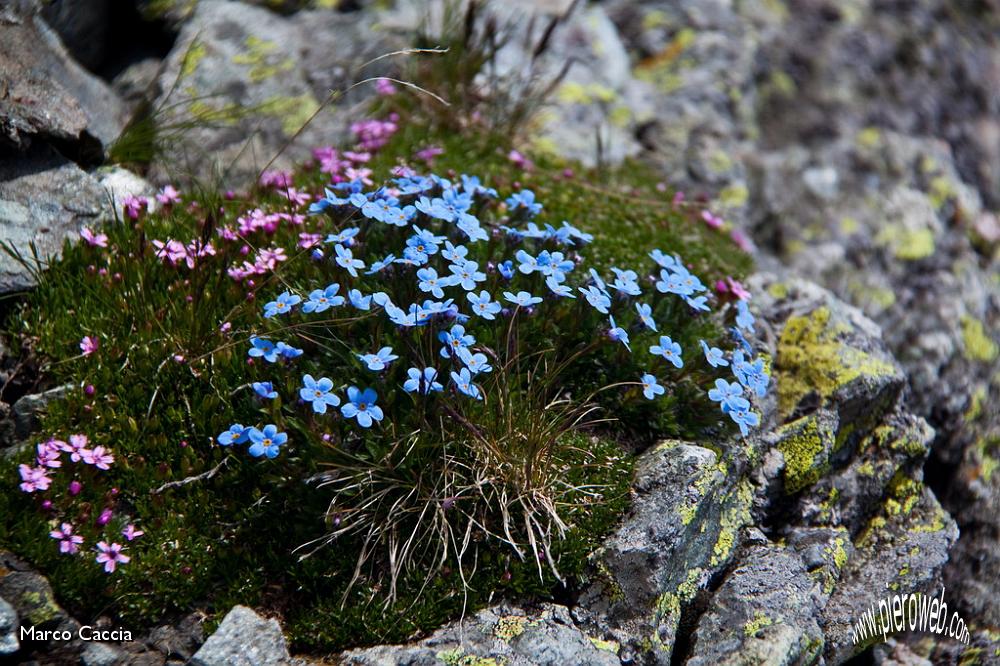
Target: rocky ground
point(857, 142)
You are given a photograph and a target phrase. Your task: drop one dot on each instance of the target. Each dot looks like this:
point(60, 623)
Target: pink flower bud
point(75, 487)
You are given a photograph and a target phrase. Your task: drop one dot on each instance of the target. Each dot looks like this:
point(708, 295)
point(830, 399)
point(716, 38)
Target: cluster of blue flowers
point(437, 228)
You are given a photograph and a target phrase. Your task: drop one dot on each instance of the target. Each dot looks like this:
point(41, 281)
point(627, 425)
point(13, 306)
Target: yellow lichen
point(259, 57)
point(607, 646)
point(195, 54)
point(755, 624)
point(869, 137)
point(907, 244)
point(978, 345)
point(510, 627)
point(811, 359)
point(803, 445)
point(294, 112)
point(734, 196)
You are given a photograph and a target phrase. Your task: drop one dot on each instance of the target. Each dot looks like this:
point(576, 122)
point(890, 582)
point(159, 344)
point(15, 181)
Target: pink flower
point(92, 239)
point(742, 240)
point(168, 195)
point(296, 197)
point(89, 345)
point(104, 518)
point(385, 87)
point(307, 240)
point(172, 252)
point(714, 221)
point(77, 447)
point(69, 543)
point(356, 157)
point(281, 179)
point(48, 455)
point(429, 153)
point(678, 198)
point(131, 533)
point(134, 205)
point(373, 134)
point(34, 479)
point(110, 555)
point(520, 160)
point(364, 175)
point(268, 258)
point(99, 457)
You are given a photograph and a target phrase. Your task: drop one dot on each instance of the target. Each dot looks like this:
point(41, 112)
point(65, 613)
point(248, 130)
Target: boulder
point(244, 639)
point(9, 629)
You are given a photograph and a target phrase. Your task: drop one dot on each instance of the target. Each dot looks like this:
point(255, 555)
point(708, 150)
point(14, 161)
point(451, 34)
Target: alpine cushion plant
point(228, 459)
point(469, 360)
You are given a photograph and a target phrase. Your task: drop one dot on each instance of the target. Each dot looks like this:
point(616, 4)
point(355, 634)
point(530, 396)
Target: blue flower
point(729, 395)
point(424, 381)
point(261, 347)
point(526, 263)
point(523, 200)
point(745, 419)
point(454, 253)
point(359, 300)
point(558, 289)
point(379, 265)
point(664, 260)
point(380, 360)
point(650, 387)
point(522, 298)
point(646, 315)
point(476, 363)
point(430, 282)
point(554, 264)
point(236, 434)
point(283, 304)
point(751, 374)
point(742, 341)
point(321, 300)
point(397, 217)
point(626, 282)
point(454, 340)
point(318, 393)
point(744, 319)
point(597, 298)
point(345, 259)
point(618, 334)
point(483, 305)
point(699, 303)
point(467, 274)
point(361, 405)
point(669, 350)
point(713, 355)
point(506, 269)
point(266, 442)
point(672, 283)
point(463, 381)
point(688, 280)
point(265, 390)
point(287, 351)
point(346, 236)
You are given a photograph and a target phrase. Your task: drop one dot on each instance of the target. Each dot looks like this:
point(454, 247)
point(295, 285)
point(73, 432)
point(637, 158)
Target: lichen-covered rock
point(765, 612)
point(9, 629)
point(31, 596)
point(543, 636)
point(249, 80)
point(44, 199)
point(244, 639)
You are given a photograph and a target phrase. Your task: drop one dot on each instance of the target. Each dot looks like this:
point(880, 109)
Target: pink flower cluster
point(134, 206)
point(93, 239)
point(267, 259)
point(344, 166)
point(734, 287)
point(49, 456)
point(175, 253)
point(372, 134)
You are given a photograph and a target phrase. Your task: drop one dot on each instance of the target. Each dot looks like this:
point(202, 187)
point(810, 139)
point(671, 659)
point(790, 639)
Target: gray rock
point(244, 639)
point(31, 596)
point(250, 80)
point(102, 654)
point(83, 26)
point(29, 408)
point(9, 627)
point(44, 199)
point(49, 96)
point(765, 612)
point(119, 183)
point(543, 636)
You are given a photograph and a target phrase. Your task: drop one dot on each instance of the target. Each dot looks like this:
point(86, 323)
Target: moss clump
point(510, 627)
point(756, 623)
point(978, 345)
point(810, 358)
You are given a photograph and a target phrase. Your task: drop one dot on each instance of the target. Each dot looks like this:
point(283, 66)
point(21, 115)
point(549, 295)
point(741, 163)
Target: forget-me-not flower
point(651, 387)
point(618, 334)
point(361, 405)
point(345, 259)
point(463, 381)
point(266, 442)
point(646, 315)
point(475, 362)
point(236, 434)
point(597, 298)
point(321, 300)
point(379, 360)
point(318, 392)
point(522, 298)
point(669, 350)
point(424, 381)
point(713, 355)
point(483, 305)
point(359, 300)
point(455, 340)
point(281, 305)
point(265, 390)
